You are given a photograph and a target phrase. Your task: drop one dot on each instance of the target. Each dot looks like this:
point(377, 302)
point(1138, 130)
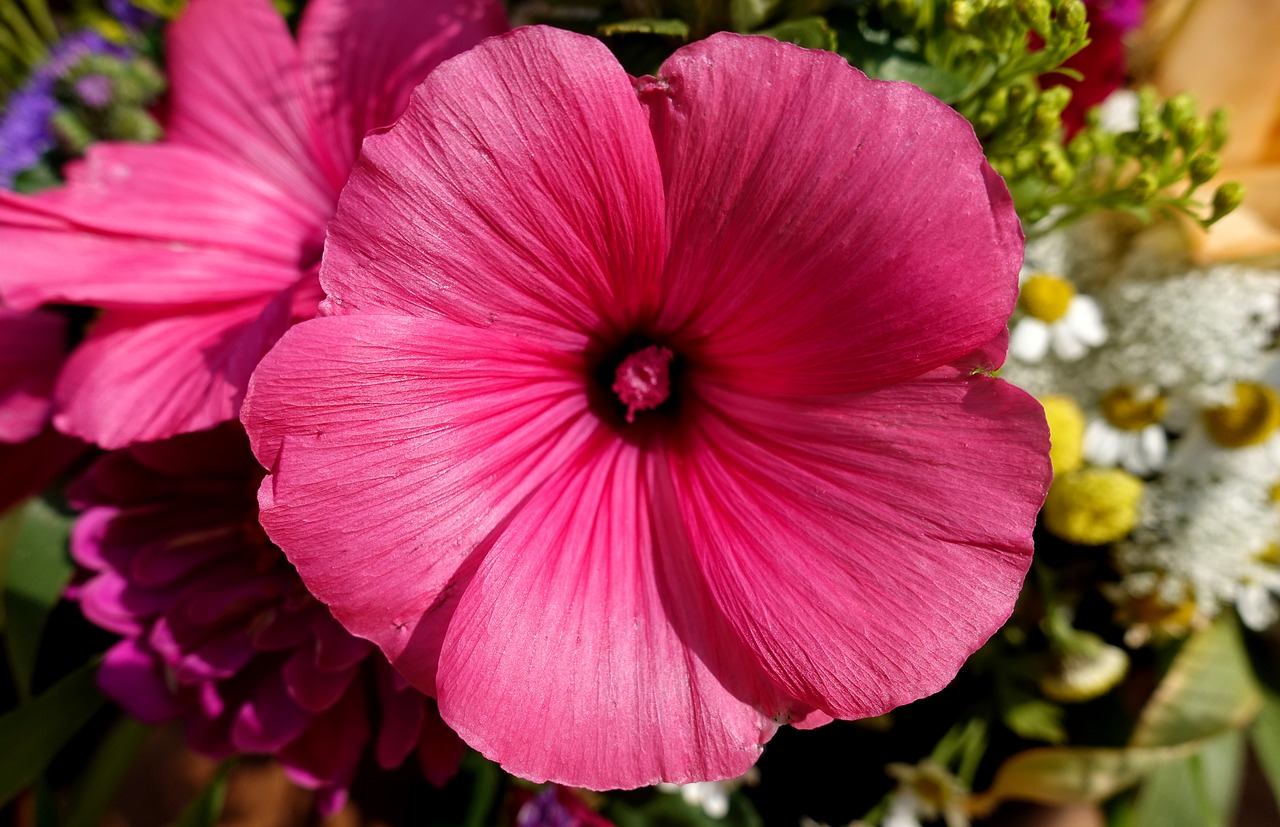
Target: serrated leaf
point(809, 32)
point(647, 25)
point(37, 572)
point(1200, 790)
point(33, 733)
point(1208, 689)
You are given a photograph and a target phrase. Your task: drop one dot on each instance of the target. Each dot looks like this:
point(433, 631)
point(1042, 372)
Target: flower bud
point(1204, 167)
point(1144, 186)
point(1225, 199)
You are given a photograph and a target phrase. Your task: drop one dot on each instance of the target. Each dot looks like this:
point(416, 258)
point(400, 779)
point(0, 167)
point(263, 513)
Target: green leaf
point(1208, 692)
point(206, 809)
point(935, 80)
point(648, 25)
point(1200, 790)
point(1265, 737)
point(1208, 689)
point(1036, 720)
point(111, 762)
point(809, 32)
point(749, 15)
point(33, 733)
point(38, 571)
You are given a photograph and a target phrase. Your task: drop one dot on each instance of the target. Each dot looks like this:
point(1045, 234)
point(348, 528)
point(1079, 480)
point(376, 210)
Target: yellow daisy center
point(1129, 410)
point(1250, 420)
point(1046, 297)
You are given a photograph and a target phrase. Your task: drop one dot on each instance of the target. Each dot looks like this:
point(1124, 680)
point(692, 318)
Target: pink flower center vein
point(643, 380)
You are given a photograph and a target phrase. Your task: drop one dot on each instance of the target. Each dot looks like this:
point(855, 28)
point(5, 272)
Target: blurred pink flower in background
point(220, 632)
point(653, 413)
point(201, 250)
point(32, 348)
point(1102, 63)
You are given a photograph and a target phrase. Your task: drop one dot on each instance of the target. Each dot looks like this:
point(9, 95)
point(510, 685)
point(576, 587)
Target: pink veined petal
point(864, 550)
point(362, 58)
point(239, 92)
point(521, 190)
point(32, 347)
point(827, 232)
point(451, 425)
point(140, 377)
point(571, 657)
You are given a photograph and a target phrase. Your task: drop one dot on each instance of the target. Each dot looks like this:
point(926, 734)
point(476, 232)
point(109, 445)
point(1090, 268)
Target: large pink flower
point(649, 414)
point(204, 248)
point(220, 633)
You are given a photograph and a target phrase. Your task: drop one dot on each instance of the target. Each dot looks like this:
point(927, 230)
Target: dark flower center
point(643, 380)
point(636, 380)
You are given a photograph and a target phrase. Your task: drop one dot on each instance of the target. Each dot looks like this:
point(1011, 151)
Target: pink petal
point(863, 550)
point(362, 59)
point(238, 91)
point(577, 653)
point(32, 346)
point(270, 719)
point(520, 189)
point(313, 688)
point(327, 752)
point(439, 748)
point(402, 712)
point(141, 377)
point(154, 224)
point(827, 232)
point(134, 677)
point(453, 425)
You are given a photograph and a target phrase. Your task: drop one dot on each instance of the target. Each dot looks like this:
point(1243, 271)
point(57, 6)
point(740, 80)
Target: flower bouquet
point(764, 412)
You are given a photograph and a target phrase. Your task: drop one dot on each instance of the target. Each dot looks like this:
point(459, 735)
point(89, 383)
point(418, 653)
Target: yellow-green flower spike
point(1046, 297)
point(1066, 433)
point(1127, 409)
point(1250, 420)
point(1093, 506)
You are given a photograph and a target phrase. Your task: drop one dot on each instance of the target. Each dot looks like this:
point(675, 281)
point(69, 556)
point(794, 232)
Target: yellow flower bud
point(1093, 506)
point(1066, 433)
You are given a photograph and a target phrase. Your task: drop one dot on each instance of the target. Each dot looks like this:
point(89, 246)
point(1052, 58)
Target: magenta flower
point(219, 631)
point(647, 416)
point(32, 347)
point(203, 249)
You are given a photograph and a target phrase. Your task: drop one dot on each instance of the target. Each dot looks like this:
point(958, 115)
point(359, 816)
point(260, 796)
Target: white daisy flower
point(1129, 433)
point(1055, 316)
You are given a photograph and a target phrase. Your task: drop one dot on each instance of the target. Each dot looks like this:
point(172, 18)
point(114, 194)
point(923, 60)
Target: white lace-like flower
point(1211, 539)
point(1055, 317)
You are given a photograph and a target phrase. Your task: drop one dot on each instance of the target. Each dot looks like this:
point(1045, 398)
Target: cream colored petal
point(1225, 53)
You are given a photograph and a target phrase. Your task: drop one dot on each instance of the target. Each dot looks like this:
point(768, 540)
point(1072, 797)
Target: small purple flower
point(130, 15)
point(1125, 15)
point(95, 90)
point(25, 134)
point(25, 131)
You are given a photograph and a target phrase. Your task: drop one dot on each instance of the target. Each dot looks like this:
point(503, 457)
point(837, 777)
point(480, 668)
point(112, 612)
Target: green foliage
point(34, 570)
point(33, 733)
point(1208, 693)
point(670, 810)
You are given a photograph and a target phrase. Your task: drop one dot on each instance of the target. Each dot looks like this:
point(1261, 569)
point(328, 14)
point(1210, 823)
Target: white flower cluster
point(1174, 370)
